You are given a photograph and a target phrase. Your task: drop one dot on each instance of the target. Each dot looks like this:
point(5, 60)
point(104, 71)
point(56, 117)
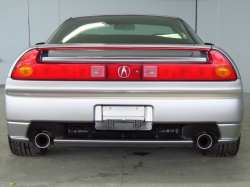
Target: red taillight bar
point(218, 68)
point(57, 71)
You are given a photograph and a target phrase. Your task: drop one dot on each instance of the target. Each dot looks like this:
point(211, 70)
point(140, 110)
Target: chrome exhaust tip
point(42, 140)
point(204, 141)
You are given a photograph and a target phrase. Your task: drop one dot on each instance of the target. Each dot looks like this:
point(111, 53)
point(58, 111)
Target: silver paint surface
point(172, 102)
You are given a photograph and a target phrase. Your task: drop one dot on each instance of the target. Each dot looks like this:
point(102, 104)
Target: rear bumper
point(219, 102)
point(172, 102)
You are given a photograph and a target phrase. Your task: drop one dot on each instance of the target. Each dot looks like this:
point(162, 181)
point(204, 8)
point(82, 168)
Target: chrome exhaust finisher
point(204, 141)
point(42, 140)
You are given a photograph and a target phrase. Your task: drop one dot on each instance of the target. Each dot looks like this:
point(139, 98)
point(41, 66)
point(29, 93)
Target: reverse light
point(150, 71)
point(98, 71)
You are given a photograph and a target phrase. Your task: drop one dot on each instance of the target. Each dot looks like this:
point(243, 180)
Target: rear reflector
point(218, 68)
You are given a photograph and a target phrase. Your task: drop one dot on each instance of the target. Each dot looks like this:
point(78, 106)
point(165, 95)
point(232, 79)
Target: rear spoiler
point(124, 53)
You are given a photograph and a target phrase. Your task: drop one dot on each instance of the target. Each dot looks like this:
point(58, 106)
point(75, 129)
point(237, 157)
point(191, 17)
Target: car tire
point(223, 150)
point(25, 148)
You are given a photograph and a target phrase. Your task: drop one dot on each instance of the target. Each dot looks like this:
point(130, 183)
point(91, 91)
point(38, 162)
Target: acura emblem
point(124, 71)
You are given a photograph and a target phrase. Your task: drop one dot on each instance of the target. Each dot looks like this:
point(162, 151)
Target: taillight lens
point(218, 68)
point(42, 71)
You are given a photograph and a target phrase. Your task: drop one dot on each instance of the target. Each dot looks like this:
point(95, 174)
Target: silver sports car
point(124, 80)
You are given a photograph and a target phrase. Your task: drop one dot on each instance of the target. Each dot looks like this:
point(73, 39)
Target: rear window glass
point(124, 30)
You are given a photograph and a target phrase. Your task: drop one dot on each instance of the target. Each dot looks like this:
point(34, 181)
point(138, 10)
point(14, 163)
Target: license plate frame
point(123, 118)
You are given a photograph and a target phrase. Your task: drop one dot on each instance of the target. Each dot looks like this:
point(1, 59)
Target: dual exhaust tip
point(42, 140)
point(204, 141)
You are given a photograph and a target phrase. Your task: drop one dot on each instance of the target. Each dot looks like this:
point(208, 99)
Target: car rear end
point(125, 95)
